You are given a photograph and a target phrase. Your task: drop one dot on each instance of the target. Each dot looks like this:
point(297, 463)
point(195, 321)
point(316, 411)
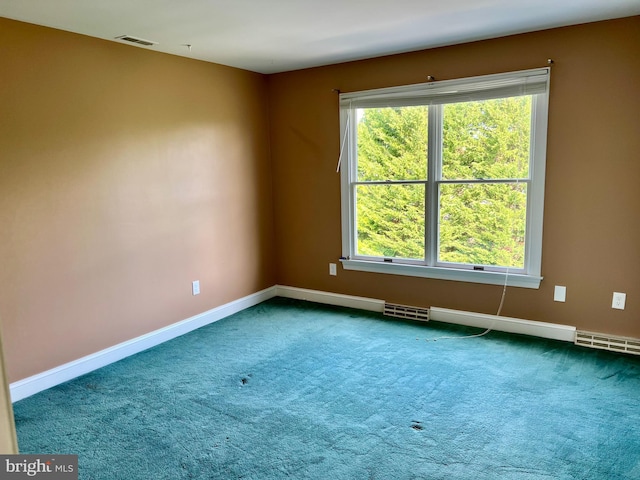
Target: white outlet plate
point(333, 269)
point(195, 287)
point(560, 294)
point(619, 299)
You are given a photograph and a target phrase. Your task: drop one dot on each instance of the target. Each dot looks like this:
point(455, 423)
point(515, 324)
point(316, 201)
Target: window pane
point(390, 220)
point(483, 224)
point(392, 143)
point(487, 139)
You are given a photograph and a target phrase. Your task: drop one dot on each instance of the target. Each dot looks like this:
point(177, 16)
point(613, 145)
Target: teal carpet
point(290, 389)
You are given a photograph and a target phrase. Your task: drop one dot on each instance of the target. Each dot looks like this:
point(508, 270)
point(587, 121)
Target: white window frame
point(528, 82)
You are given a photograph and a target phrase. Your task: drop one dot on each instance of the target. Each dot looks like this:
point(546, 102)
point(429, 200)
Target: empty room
point(348, 240)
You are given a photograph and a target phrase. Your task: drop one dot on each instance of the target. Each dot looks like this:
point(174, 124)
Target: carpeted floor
point(290, 389)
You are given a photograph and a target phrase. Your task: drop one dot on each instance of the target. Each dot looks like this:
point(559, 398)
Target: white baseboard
point(338, 299)
point(42, 381)
point(504, 324)
point(50, 378)
point(471, 319)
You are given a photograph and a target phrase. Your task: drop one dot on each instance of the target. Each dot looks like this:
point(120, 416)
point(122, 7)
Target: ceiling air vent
point(139, 41)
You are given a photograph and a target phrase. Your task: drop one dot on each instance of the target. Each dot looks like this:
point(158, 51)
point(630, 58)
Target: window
point(446, 179)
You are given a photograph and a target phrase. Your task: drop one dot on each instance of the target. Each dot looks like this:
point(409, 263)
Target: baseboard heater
point(516, 325)
point(504, 324)
point(608, 342)
point(406, 312)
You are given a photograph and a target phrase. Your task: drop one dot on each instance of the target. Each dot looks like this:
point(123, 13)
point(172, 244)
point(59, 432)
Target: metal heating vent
point(605, 342)
point(139, 41)
point(409, 313)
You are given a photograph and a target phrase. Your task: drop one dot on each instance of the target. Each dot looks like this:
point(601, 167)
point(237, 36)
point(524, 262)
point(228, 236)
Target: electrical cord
point(504, 294)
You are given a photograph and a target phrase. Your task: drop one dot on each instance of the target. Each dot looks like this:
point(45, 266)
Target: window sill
point(440, 273)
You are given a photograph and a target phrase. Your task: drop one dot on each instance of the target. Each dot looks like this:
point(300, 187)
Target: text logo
point(45, 467)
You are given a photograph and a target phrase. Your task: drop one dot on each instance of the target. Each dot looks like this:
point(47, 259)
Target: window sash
point(432, 219)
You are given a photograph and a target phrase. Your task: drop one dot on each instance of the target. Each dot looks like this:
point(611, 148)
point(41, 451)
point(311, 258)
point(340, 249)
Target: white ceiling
point(271, 36)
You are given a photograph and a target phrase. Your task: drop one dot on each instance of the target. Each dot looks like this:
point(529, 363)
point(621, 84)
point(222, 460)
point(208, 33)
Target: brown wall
point(124, 175)
point(592, 201)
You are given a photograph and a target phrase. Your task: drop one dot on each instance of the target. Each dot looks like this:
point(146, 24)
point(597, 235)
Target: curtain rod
point(431, 78)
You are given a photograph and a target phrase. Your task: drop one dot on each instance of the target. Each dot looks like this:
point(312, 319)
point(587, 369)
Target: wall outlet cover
point(619, 299)
point(560, 294)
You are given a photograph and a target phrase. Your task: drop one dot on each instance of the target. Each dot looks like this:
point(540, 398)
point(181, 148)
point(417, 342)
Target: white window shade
point(527, 82)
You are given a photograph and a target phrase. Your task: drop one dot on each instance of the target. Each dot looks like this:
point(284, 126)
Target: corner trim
point(31, 385)
point(338, 299)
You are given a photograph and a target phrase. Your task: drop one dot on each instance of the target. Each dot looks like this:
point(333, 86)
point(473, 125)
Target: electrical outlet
point(195, 287)
point(619, 299)
point(333, 269)
point(560, 294)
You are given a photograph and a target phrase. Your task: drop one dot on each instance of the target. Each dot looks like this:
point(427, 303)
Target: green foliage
point(480, 224)
point(486, 140)
point(391, 220)
point(483, 224)
point(392, 145)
